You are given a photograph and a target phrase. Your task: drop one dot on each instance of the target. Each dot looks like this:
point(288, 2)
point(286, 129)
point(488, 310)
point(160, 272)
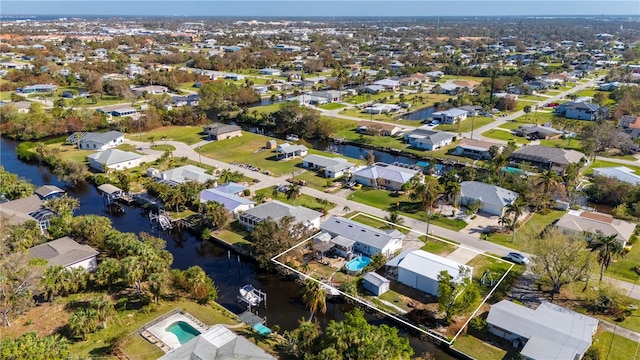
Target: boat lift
point(251, 296)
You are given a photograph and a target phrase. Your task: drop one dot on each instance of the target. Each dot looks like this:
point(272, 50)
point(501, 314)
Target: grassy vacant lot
point(503, 135)
point(331, 106)
point(622, 268)
point(357, 99)
point(387, 200)
point(446, 78)
point(437, 247)
point(377, 222)
point(603, 163)
point(569, 143)
point(186, 134)
point(478, 348)
point(465, 125)
point(302, 200)
point(265, 109)
point(70, 152)
point(532, 228)
point(615, 346)
point(163, 147)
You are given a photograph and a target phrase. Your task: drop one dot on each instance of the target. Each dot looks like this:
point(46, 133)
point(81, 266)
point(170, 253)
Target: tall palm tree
point(608, 248)
point(293, 192)
point(394, 218)
point(53, 281)
point(547, 181)
point(427, 191)
point(104, 309)
point(516, 208)
point(314, 296)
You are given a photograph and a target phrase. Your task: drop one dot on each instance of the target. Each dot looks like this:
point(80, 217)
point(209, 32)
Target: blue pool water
point(512, 170)
point(183, 331)
point(358, 263)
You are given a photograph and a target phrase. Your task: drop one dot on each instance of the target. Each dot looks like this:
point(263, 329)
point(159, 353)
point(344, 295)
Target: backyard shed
point(375, 283)
point(271, 144)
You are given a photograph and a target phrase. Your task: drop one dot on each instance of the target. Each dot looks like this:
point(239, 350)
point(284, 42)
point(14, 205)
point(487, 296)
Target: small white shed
point(376, 283)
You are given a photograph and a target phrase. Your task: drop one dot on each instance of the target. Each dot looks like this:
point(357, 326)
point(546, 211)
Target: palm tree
point(83, 322)
point(608, 248)
point(104, 309)
point(293, 192)
point(516, 208)
point(394, 218)
point(53, 281)
point(134, 272)
point(426, 190)
point(314, 296)
point(547, 180)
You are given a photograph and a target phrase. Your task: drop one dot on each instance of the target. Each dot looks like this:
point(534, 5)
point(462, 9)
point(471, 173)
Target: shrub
point(246, 192)
point(632, 239)
point(592, 353)
point(478, 323)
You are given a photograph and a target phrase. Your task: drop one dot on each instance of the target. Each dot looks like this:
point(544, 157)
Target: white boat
point(251, 295)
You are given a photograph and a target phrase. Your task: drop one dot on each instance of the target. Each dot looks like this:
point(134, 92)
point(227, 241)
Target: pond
point(421, 114)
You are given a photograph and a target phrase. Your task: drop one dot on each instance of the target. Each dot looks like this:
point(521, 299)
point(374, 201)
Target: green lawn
point(438, 247)
point(186, 134)
point(465, 125)
point(357, 99)
point(615, 346)
point(266, 109)
point(504, 136)
point(622, 268)
point(532, 97)
point(377, 222)
point(331, 106)
point(535, 117)
point(478, 349)
point(303, 200)
point(70, 152)
point(532, 228)
point(603, 163)
point(317, 181)
point(568, 143)
point(446, 78)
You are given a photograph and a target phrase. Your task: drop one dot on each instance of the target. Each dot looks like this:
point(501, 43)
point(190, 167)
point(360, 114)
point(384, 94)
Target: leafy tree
point(293, 192)
point(608, 248)
point(157, 284)
point(271, 238)
point(31, 346)
point(108, 272)
point(53, 281)
point(545, 182)
point(82, 322)
point(426, 190)
point(559, 259)
point(103, 307)
point(217, 215)
point(314, 296)
point(394, 218)
point(13, 187)
point(302, 340)
point(63, 205)
point(19, 280)
point(200, 285)
point(456, 295)
point(527, 110)
point(133, 272)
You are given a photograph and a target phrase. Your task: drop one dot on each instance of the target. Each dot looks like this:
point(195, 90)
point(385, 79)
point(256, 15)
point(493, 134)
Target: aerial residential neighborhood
point(361, 185)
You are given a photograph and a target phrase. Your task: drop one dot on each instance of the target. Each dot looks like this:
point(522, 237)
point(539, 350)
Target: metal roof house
point(276, 210)
point(549, 332)
point(183, 174)
point(376, 283)
point(47, 192)
point(286, 151)
point(99, 141)
point(621, 173)
point(420, 269)
point(368, 240)
point(218, 343)
point(427, 139)
point(113, 159)
point(391, 176)
point(233, 203)
point(331, 167)
point(231, 188)
point(451, 116)
point(493, 198)
point(67, 253)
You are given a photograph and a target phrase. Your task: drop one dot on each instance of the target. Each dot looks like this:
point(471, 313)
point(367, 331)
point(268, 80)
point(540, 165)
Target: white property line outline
point(429, 333)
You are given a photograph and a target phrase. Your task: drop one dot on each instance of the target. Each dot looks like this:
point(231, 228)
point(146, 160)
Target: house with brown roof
point(477, 149)
point(376, 128)
point(587, 222)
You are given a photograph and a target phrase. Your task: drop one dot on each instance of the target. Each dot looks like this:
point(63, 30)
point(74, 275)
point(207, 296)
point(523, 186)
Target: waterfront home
point(276, 210)
point(220, 131)
point(420, 269)
point(547, 158)
point(46, 192)
point(97, 141)
point(388, 84)
point(376, 128)
point(67, 253)
point(365, 239)
point(218, 343)
point(390, 176)
point(19, 211)
point(477, 149)
point(269, 72)
point(550, 332)
point(493, 199)
point(620, 173)
point(183, 174)
point(451, 116)
point(381, 108)
point(331, 168)
point(233, 203)
point(232, 188)
point(113, 159)
point(287, 151)
point(589, 223)
point(330, 96)
point(538, 132)
point(427, 139)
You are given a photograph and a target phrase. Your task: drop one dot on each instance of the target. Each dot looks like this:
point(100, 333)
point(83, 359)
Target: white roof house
point(100, 141)
point(183, 174)
point(332, 167)
point(233, 203)
point(450, 116)
point(493, 198)
point(113, 159)
point(368, 240)
point(549, 332)
point(420, 269)
point(393, 177)
point(621, 173)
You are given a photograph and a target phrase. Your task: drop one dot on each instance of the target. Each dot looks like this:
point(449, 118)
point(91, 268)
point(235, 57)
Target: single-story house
point(448, 88)
point(113, 159)
point(46, 192)
point(381, 108)
point(550, 332)
point(97, 141)
point(150, 89)
point(376, 128)
point(270, 72)
point(329, 95)
point(538, 132)
point(232, 188)
point(331, 167)
point(276, 210)
point(493, 198)
point(233, 203)
point(19, 211)
point(371, 89)
point(118, 110)
point(388, 84)
point(367, 240)
point(391, 177)
point(451, 116)
point(472, 110)
point(22, 107)
point(220, 131)
point(218, 343)
point(587, 222)
point(547, 158)
point(420, 269)
point(376, 283)
point(67, 253)
point(427, 139)
point(189, 100)
point(477, 149)
point(183, 174)
point(621, 173)
point(38, 88)
point(286, 151)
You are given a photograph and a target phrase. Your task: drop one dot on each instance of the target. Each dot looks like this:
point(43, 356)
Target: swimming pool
point(358, 263)
point(512, 170)
point(183, 331)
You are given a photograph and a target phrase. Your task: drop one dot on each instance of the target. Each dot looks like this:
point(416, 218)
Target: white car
point(517, 258)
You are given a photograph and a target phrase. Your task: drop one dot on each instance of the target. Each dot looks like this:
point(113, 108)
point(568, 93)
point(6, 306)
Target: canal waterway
point(229, 270)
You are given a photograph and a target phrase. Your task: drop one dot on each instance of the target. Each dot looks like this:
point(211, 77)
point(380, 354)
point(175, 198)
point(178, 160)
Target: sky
point(312, 8)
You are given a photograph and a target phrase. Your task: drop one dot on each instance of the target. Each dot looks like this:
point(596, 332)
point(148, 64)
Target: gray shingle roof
point(573, 221)
point(387, 172)
point(102, 138)
point(432, 137)
point(333, 164)
point(277, 210)
point(486, 193)
point(363, 234)
point(64, 252)
point(113, 156)
point(539, 153)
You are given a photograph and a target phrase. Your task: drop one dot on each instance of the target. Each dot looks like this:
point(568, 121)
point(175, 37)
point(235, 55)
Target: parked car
point(517, 258)
point(356, 187)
